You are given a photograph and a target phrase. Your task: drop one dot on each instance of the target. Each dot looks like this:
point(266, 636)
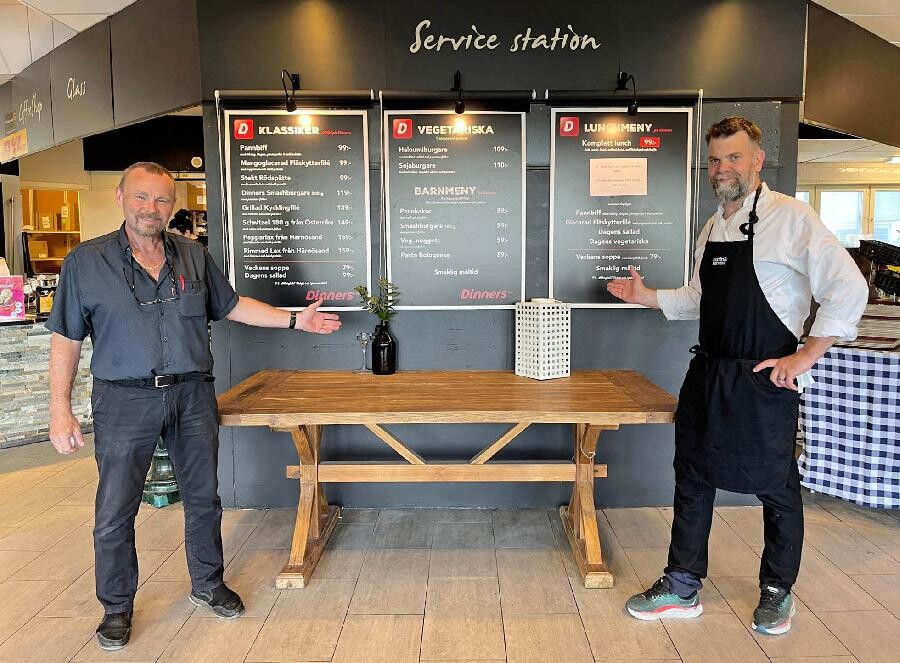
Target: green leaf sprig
point(383, 303)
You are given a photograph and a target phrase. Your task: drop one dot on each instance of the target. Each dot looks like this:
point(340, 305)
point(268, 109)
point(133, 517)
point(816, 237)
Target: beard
point(730, 190)
point(140, 227)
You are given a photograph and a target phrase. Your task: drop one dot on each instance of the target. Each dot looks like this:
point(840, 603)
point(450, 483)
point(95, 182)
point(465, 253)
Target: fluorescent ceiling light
point(894, 159)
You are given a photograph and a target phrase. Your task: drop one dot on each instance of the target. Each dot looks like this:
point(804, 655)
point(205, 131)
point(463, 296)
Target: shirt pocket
point(192, 302)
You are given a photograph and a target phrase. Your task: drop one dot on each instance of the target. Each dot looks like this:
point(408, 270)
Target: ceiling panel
point(880, 17)
point(850, 150)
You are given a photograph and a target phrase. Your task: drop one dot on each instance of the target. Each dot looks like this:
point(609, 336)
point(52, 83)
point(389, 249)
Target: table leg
point(315, 518)
point(579, 518)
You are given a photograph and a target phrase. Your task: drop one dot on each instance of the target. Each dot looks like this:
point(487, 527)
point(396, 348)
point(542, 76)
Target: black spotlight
point(622, 84)
point(633, 108)
point(289, 104)
point(460, 107)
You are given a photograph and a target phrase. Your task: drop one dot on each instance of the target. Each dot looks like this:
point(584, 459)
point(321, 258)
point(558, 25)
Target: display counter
point(25, 385)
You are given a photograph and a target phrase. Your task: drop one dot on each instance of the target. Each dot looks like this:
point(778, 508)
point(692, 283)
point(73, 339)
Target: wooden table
point(304, 402)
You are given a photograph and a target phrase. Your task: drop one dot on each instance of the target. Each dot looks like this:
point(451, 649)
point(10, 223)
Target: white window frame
point(869, 190)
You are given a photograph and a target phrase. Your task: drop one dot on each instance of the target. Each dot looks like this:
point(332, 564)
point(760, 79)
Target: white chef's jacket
point(796, 259)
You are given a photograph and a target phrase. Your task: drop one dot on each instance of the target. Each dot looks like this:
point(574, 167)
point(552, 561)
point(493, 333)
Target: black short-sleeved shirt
point(140, 328)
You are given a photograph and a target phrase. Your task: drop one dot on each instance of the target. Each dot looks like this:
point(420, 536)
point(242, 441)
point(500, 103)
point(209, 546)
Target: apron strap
point(747, 228)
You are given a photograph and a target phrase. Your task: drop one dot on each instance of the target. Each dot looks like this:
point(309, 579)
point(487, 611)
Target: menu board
point(455, 208)
point(619, 196)
point(297, 188)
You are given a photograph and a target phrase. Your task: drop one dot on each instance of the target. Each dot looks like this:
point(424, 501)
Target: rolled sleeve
point(222, 297)
point(679, 304)
point(835, 282)
point(68, 316)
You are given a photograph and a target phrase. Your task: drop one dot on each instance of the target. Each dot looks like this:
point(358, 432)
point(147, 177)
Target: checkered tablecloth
point(850, 427)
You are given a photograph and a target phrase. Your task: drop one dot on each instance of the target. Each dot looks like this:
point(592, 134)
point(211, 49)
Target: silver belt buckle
point(167, 383)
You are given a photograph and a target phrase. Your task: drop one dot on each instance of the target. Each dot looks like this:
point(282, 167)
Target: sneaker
point(221, 601)
point(773, 614)
point(114, 631)
point(660, 601)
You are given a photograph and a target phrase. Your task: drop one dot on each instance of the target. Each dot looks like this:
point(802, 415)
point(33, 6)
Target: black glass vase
point(384, 350)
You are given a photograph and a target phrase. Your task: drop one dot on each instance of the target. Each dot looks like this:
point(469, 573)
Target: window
point(853, 212)
point(886, 216)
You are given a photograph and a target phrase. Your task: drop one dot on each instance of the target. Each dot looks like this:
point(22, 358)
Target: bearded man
point(145, 297)
point(759, 261)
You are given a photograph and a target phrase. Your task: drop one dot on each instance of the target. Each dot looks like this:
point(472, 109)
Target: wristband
point(293, 323)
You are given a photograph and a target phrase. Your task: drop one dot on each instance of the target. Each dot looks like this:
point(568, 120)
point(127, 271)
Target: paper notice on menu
point(618, 177)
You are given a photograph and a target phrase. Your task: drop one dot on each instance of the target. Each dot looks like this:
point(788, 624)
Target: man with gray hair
point(759, 261)
point(145, 297)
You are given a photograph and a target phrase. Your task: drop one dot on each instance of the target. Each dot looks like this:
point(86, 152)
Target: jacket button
point(165, 339)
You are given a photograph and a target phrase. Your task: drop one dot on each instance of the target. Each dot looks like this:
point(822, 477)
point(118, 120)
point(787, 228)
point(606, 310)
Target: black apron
point(733, 427)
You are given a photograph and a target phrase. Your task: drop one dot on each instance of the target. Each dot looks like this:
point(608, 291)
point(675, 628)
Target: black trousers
point(782, 523)
point(127, 424)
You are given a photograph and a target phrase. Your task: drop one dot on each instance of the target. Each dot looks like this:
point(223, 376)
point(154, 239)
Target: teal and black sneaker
point(661, 602)
point(773, 614)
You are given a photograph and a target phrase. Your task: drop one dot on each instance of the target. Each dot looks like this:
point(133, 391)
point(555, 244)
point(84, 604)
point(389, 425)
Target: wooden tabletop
point(292, 398)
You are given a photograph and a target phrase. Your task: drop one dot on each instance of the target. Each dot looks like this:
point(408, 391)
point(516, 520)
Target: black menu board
point(455, 208)
point(297, 192)
point(619, 196)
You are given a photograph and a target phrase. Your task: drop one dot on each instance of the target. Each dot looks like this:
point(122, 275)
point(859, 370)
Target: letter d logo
point(403, 128)
point(569, 126)
point(243, 129)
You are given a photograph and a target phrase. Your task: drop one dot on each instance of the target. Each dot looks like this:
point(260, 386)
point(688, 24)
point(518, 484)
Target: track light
point(460, 107)
point(289, 104)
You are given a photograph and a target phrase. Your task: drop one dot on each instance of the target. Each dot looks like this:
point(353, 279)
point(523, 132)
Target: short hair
point(732, 125)
point(149, 166)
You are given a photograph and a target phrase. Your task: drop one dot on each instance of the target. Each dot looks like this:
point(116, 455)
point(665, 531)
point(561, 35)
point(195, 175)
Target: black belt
point(160, 381)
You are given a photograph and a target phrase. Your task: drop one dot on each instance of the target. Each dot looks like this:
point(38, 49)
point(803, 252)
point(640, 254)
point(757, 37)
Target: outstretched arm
point(633, 290)
point(259, 314)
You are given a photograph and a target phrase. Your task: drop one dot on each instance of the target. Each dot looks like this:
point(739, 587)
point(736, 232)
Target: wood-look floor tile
point(463, 620)
point(522, 528)
point(359, 516)
point(274, 531)
point(820, 581)
point(817, 659)
point(392, 582)
point(84, 496)
point(175, 567)
point(471, 563)
point(876, 525)
point(543, 638)
point(462, 516)
point(66, 560)
point(403, 528)
point(533, 581)
point(242, 516)
point(79, 599)
point(21, 508)
point(160, 610)
point(379, 639)
point(163, 530)
point(729, 555)
point(77, 475)
point(20, 600)
point(747, 522)
point(41, 532)
point(346, 551)
point(808, 636)
point(212, 640)
point(48, 640)
point(639, 528)
point(871, 636)
point(885, 589)
point(718, 637)
point(613, 555)
point(852, 553)
point(457, 536)
point(252, 575)
point(304, 624)
point(13, 560)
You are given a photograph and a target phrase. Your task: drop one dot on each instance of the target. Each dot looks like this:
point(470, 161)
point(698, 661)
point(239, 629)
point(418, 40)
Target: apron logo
point(720, 261)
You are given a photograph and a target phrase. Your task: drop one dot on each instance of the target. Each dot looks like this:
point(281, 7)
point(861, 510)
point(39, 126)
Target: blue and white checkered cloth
point(850, 426)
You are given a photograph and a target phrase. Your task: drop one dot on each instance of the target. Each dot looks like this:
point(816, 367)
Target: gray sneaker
point(661, 602)
point(773, 614)
point(221, 601)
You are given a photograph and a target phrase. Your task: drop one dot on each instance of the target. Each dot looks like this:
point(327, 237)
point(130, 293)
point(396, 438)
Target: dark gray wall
point(355, 44)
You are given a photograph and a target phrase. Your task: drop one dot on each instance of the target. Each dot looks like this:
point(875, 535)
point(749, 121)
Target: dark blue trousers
point(127, 423)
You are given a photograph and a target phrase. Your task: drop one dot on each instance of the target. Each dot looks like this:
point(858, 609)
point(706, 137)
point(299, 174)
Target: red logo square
point(402, 127)
point(569, 126)
point(243, 129)
point(649, 141)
